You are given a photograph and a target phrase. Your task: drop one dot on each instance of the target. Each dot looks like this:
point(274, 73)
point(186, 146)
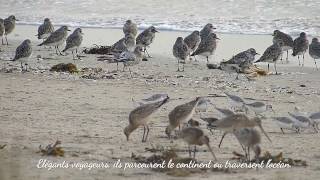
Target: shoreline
point(88, 115)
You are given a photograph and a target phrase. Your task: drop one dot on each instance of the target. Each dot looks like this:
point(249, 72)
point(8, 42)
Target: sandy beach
point(88, 115)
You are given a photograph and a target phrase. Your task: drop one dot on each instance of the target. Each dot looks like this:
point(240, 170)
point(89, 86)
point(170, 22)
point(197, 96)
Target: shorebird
point(9, 25)
point(259, 107)
point(316, 118)
point(2, 28)
point(155, 97)
point(209, 121)
point(300, 46)
point(45, 29)
point(207, 46)
point(206, 30)
point(235, 101)
point(193, 41)
point(139, 117)
point(224, 112)
point(146, 38)
point(130, 28)
point(124, 44)
point(56, 39)
point(272, 54)
point(285, 38)
point(239, 62)
point(23, 52)
point(181, 113)
point(195, 136)
point(73, 42)
point(287, 123)
point(243, 59)
point(151, 99)
point(235, 122)
point(304, 121)
point(180, 51)
point(202, 105)
point(249, 138)
point(314, 50)
point(130, 58)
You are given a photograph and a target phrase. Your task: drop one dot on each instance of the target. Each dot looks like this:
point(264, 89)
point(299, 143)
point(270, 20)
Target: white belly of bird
point(300, 124)
point(186, 119)
point(73, 48)
point(286, 48)
point(258, 110)
point(284, 125)
point(45, 36)
point(206, 54)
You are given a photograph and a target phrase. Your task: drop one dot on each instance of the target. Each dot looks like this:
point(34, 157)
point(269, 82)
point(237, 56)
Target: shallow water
point(229, 16)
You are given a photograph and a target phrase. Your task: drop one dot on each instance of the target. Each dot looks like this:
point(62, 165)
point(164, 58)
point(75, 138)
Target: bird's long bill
point(264, 132)
point(210, 149)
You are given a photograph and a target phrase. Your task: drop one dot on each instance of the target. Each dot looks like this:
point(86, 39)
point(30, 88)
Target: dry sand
point(88, 116)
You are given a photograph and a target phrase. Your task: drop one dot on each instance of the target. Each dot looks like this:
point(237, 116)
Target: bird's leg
point(207, 59)
point(195, 58)
point(287, 58)
point(224, 134)
point(237, 78)
point(123, 68)
point(59, 51)
point(7, 40)
point(147, 52)
point(268, 67)
point(282, 131)
point(21, 66)
point(299, 60)
point(302, 59)
point(73, 55)
point(55, 47)
point(145, 139)
point(183, 66)
point(275, 66)
point(117, 66)
point(194, 151)
point(315, 63)
point(248, 153)
point(26, 67)
point(2, 40)
point(189, 149)
point(178, 65)
point(211, 131)
point(78, 55)
point(130, 72)
point(144, 132)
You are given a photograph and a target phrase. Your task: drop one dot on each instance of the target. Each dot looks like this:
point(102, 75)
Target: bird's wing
point(55, 36)
point(22, 51)
point(73, 40)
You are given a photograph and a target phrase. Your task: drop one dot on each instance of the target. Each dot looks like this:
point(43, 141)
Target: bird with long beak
point(237, 121)
point(139, 117)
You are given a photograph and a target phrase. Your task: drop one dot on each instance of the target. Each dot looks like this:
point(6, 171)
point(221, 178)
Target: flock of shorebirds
point(237, 121)
point(130, 50)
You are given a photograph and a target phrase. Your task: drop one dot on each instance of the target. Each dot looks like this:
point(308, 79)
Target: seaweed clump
point(52, 150)
point(62, 67)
